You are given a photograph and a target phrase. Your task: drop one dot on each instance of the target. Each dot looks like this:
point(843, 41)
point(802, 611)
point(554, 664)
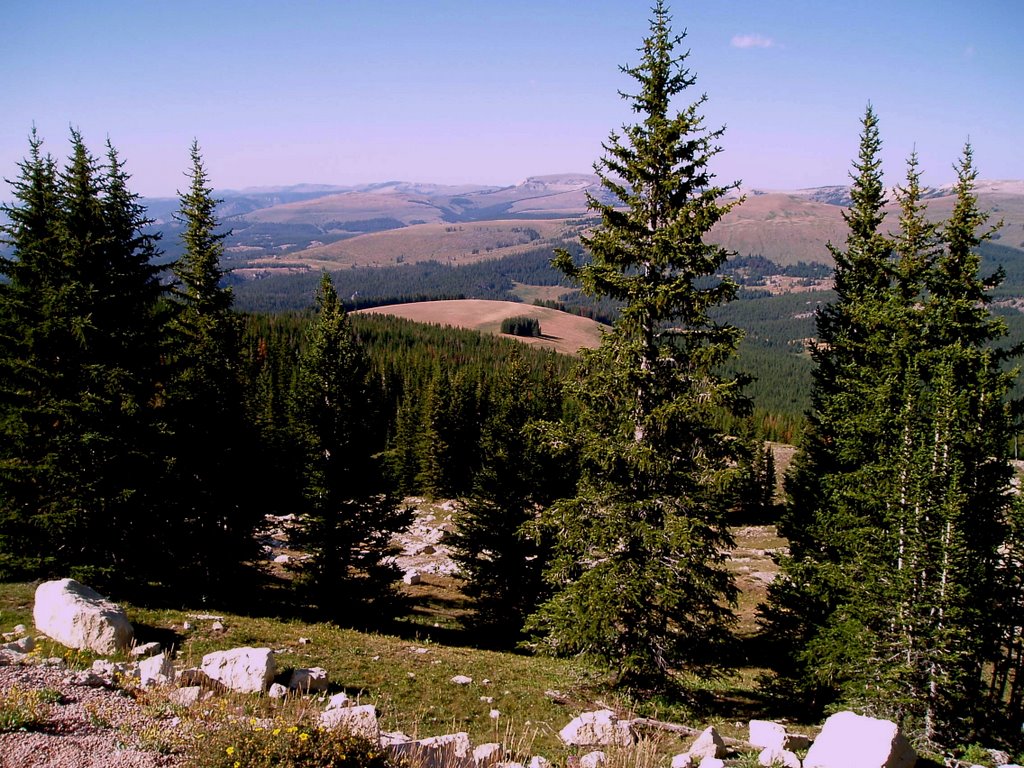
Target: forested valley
point(152, 416)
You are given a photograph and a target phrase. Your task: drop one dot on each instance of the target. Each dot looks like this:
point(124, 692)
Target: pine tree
point(637, 572)
point(350, 514)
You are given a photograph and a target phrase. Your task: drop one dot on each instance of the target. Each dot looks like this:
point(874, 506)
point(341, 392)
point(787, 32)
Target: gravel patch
point(90, 727)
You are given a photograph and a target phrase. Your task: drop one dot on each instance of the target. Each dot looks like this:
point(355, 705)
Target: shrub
point(520, 325)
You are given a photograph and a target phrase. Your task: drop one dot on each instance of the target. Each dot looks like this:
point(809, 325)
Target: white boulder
point(156, 670)
point(145, 650)
point(594, 759)
point(277, 691)
point(708, 744)
point(358, 720)
point(453, 750)
point(849, 740)
point(487, 755)
point(245, 670)
point(462, 680)
point(766, 734)
point(312, 680)
point(597, 728)
point(79, 617)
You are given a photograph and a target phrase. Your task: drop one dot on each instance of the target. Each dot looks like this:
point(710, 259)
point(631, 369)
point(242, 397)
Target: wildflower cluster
point(258, 744)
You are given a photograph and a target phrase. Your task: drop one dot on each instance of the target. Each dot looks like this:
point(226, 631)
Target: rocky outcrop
point(79, 617)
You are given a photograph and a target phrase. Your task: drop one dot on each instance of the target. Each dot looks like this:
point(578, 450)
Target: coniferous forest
point(148, 427)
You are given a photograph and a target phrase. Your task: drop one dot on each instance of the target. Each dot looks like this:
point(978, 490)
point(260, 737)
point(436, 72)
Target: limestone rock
point(452, 750)
point(245, 670)
point(312, 680)
point(849, 740)
point(708, 744)
point(277, 691)
point(487, 755)
point(462, 680)
point(594, 759)
point(185, 697)
point(145, 650)
point(79, 617)
point(156, 670)
point(711, 762)
point(358, 720)
point(412, 577)
point(597, 728)
point(21, 645)
point(767, 735)
point(685, 760)
point(337, 701)
point(539, 762)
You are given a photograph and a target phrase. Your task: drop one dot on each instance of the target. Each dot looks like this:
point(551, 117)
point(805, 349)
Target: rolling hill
point(561, 331)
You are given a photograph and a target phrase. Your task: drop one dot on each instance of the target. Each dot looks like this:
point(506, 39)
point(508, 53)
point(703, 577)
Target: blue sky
point(456, 91)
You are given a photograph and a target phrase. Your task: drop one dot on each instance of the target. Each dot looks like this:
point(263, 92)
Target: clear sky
point(480, 91)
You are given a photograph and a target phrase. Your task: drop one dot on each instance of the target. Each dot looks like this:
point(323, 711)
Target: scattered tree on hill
point(638, 574)
point(521, 325)
point(349, 514)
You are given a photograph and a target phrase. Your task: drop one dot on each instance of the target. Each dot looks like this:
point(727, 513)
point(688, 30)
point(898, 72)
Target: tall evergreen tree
point(499, 547)
point(833, 512)
point(349, 513)
point(82, 306)
point(899, 505)
point(637, 573)
point(214, 505)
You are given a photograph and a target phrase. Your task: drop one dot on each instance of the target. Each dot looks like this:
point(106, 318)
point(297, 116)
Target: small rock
point(186, 625)
point(487, 755)
point(412, 578)
point(185, 697)
point(685, 760)
point(88, 679)
point(594, 759)
point(487, 699)
point(277, 691)
point(23, 645)
point(337, 701)
point(217, 626)
point(708, 744)
point(313, 680)
point(145, 650)
point(19, 629)
point(282, 559)
point(539, 762)
point(358, 720)
point(462, 680)
point(156, 670)
point(711, 762)
point(304, 641)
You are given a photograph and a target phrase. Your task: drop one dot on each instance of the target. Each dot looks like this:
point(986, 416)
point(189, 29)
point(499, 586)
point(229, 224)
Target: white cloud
point(752, 41)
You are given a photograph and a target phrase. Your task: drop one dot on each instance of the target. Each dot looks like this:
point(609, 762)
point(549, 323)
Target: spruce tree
point(500, 549)
point(637, 574)
point(81, 347)
point(349, 513)
point(213, 502)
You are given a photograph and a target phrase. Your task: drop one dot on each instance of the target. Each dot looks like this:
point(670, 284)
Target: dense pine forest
point(153, 412)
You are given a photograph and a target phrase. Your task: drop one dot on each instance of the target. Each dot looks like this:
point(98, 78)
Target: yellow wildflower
point(303, 736)
point(230, 750)
point(293, 728)
point(276, 732)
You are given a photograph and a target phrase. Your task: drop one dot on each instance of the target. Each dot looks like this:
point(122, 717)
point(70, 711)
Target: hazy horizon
point(452, 92)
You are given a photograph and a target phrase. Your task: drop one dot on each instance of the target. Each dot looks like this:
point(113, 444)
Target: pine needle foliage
point(637, 573)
